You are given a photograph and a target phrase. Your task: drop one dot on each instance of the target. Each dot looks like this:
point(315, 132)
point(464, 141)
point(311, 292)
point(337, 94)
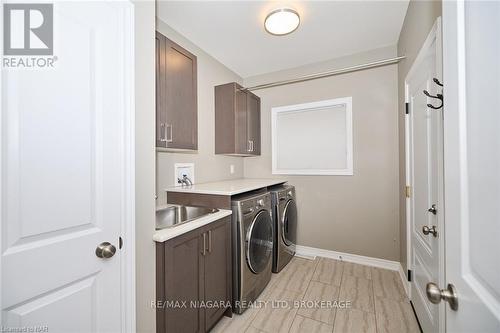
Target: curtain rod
point(320, 75)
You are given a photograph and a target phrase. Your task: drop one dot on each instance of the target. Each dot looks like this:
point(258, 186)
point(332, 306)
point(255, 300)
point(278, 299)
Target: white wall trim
point(404, 280)
point(311, 106)
point(312, 253)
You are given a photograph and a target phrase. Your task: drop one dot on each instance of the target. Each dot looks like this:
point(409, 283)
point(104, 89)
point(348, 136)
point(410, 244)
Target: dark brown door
point(217, 271)
point(183, 284)
point(160, 90)
point(253, 123)
point(181, 97)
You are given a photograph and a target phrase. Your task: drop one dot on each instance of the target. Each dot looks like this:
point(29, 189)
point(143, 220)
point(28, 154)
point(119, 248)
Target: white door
point(425, 177)
point(471, 71)
point(65, 175)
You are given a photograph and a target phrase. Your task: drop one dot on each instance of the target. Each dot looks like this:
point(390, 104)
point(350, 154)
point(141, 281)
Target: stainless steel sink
point(175, 215)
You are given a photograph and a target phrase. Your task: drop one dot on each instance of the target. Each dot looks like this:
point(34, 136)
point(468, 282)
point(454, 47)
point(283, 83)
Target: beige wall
point(208, 166)
point(145, 163)
point(419, 19)
point(354, 214)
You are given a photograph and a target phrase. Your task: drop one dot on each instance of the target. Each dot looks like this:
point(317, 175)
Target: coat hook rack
point(438, 96)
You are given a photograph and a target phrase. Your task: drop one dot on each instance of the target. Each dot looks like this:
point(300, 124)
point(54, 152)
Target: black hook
point(436, 81)
point(438, 96)
point(435, 107)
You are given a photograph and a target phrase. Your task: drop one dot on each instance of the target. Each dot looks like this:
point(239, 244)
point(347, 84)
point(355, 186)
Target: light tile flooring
point(378, 301)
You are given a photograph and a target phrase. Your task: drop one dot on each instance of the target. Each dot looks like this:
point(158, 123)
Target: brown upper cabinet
point(176, 96)
point(237, 121)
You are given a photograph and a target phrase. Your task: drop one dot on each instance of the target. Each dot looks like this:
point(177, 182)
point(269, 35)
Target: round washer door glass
point(260, 242)
point(289, 223)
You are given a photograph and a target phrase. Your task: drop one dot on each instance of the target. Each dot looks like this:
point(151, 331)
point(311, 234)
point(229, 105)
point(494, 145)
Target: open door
point(471, 71)
point(66, 178)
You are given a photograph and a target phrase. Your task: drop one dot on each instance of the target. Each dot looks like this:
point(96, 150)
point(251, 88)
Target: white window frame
point(344, 101)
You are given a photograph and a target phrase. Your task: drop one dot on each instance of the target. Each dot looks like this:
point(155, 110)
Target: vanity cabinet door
point(218, 275)
point(180, 281)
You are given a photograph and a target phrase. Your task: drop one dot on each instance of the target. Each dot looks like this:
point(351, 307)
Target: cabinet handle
point(163, 132)
point(204, 251)
point(249, 145)
point(252, 144)
point(209, 241)
point(171, 133)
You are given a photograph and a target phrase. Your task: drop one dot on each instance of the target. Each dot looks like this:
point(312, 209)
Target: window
point(313, 138)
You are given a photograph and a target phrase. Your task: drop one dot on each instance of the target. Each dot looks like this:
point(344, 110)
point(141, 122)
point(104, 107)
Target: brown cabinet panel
point(176, 97)
point(160, 88)
point(253, 123)
point(237, 121)
point(217, 270)
point(192, 269)
point(181, 283)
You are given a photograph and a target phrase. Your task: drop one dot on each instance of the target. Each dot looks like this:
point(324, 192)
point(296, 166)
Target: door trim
point(128, 304)
point(434, 33)
point(127, 252)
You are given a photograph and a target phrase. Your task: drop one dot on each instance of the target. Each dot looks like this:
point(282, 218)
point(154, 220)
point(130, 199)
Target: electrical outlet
point(231, 168)
point(181, 170)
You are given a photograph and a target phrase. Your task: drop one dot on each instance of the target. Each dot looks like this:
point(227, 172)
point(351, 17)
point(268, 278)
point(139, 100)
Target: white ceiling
point(233, 31)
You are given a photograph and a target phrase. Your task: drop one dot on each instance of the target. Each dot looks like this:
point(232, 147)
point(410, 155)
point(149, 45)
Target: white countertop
point(227, 187)
point(169, 233)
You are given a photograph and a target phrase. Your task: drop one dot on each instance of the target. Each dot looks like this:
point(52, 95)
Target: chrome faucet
point(185, 181)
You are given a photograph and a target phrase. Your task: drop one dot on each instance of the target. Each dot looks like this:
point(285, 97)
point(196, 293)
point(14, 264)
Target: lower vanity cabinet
point(193, 279)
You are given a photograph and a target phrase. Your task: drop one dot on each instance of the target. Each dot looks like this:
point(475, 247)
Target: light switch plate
point(181, 169)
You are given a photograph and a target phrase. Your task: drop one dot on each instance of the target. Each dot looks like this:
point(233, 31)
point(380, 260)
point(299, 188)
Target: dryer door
point(289, 223)
point(259, 242)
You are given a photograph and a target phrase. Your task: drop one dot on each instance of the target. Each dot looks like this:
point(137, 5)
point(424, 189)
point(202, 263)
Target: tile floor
point(378, 301)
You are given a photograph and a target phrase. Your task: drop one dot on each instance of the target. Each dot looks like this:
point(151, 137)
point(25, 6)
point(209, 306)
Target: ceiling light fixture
point(282, 21)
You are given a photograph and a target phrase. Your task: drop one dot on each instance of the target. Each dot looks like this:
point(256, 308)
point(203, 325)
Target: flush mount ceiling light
point(282, 21)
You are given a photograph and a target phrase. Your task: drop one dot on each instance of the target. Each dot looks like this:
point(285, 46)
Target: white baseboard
point(312, 252)
point(404, 280)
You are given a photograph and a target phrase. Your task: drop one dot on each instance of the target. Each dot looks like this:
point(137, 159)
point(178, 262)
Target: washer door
point(259, 242)
point(289, 223)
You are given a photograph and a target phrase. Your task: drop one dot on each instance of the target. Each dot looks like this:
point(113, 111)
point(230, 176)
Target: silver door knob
point(433, 209)
point(430, 230)
point(435, 295)
point(105, 250)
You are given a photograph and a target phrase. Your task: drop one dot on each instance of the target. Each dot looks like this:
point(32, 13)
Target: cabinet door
point(182, 284)
point(253, 123)
point(242, 145)
point(160, 90)
point(218, 282)
point(181, 97)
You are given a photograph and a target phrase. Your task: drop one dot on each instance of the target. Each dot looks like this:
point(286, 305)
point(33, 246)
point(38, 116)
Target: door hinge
point(407, 108)
point(409, 275)
point(408, 191)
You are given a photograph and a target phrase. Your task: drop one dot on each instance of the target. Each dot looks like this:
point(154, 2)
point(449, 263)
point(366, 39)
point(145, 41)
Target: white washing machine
point(285, 225)
point(252, 239)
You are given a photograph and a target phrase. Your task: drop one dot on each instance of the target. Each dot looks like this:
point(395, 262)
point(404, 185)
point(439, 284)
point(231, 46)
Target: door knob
point(433, 209)
point(435, 295)
point(105, 250)
point(430, 230)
